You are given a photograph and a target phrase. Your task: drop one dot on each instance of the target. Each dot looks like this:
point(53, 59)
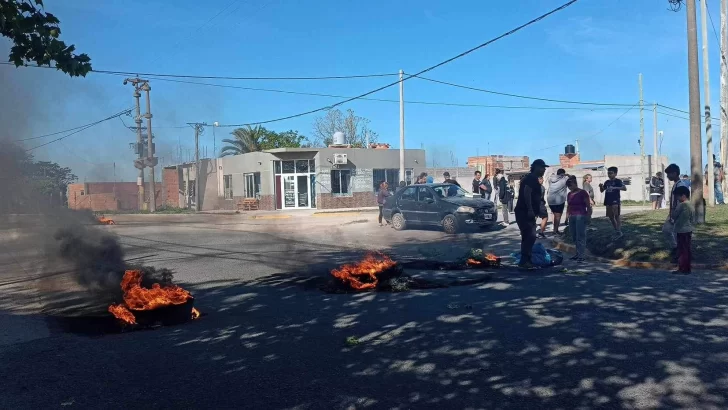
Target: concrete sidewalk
point(297, 213)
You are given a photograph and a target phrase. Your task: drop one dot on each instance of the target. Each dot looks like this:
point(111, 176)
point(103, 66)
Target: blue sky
point(592, 51)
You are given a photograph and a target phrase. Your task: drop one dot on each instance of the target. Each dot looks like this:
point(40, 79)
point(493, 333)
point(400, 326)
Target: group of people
point(564, 193)
point(500, 188)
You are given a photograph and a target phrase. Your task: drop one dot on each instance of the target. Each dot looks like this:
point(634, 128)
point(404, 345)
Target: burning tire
point(450, 224)
point(398, 222)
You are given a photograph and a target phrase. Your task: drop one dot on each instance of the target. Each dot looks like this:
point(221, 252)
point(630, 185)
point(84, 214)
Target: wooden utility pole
point(696, 146)
point(642, 143)
point(706, 86)
point(724, 89)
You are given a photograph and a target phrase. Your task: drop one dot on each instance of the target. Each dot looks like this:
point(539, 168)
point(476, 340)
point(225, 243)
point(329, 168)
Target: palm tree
point(245, 140)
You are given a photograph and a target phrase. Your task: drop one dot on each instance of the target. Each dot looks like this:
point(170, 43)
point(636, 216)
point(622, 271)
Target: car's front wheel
point(398, 222)
point(450, 224)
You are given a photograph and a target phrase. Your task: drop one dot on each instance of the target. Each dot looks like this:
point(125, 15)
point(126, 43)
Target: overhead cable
point(218, 77)
point(380, 99)
point(83, 128)
point(521, 96)
point(440, 64)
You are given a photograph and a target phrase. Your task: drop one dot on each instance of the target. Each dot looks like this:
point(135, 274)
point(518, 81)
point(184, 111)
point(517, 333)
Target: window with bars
point(391, 176)
point(340, 181)
point(227, 182)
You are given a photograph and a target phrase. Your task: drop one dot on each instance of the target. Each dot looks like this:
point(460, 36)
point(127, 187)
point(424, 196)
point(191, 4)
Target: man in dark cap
point(527, 207)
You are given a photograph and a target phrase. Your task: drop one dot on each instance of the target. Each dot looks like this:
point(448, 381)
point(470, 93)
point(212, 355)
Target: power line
point(87, 126)
point(217, 77)
point(598, 132)
point(379, 99)
point(521, 96)
point(58, 132)
point(440, 64)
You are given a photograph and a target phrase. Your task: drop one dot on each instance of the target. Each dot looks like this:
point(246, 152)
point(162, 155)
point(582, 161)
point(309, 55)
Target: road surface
point(591, 337)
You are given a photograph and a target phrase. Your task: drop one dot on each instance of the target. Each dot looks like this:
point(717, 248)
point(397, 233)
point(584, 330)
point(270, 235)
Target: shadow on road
point(536, 340)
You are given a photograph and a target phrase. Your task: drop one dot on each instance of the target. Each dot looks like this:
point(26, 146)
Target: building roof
point(280, 150)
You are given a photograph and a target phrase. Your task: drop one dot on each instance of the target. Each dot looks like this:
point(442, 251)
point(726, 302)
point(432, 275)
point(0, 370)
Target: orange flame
point(195, 313)
point(122, 313)
point(363, 275)
point(491, 257)
point(138, 298)
point(106, 221)
point(473, 262)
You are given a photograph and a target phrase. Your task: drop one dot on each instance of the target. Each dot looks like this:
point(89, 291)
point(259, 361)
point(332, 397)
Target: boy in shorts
point(612, 189)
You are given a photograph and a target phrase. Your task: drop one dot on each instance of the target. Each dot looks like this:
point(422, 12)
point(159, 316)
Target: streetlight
point(214, 147)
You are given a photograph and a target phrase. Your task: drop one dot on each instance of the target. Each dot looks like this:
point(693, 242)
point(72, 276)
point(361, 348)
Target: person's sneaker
point(541, 235)
point(617, 235)
point(679, 272)
point(526, 266)
point(575, 257)
point(579, 259)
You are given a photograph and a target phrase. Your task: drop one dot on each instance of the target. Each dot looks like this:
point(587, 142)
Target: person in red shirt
point(578, 212)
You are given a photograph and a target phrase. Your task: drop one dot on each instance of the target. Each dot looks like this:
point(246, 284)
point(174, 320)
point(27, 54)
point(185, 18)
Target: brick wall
point(170, 181)
point(95, 202)
point(566, 161)
point(116, 195)
point(490, 162)
point(357, 200)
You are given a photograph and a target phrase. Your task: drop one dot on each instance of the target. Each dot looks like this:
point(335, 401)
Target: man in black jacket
point(527, 208)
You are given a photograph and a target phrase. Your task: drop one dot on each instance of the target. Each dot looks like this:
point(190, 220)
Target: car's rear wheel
point(450, 224)
point(398, 222)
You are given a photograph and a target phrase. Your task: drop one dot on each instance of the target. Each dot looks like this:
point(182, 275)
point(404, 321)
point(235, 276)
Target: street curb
point(626, 263)
point(345, 212)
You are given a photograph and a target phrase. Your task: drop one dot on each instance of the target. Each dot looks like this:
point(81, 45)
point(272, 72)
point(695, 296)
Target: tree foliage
point(26, 182)
point(285, 139)
point(258, 138)
point(354, 127)
point(34, 34)
point(50, 178)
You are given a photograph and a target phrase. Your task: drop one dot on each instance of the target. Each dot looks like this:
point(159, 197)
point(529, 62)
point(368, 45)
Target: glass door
point(289, 191)
point(304, 200)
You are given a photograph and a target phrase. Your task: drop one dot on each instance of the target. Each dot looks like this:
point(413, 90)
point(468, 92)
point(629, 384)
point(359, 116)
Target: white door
point(289, 191)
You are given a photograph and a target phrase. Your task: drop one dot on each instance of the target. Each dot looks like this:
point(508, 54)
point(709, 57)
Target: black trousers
point(380, 213)
point(527, 226)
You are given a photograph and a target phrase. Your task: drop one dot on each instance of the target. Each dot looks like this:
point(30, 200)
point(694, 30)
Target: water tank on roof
point(338, 138)
point(569, 149)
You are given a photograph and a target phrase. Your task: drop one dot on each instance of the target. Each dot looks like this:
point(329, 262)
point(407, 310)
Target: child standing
point(578, 212)
point(612, 199)
point(683, 215)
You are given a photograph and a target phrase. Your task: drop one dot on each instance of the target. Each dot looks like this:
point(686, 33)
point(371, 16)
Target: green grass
point(643, 239)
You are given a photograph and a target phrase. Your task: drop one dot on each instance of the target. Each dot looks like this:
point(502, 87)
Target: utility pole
point(139, 163)
point(723, 89)
point(657, 164)
point(402, 175)
point(706, 86)
point(696, 146)
point(199, 128)
point(642, 143)
point(151, 160)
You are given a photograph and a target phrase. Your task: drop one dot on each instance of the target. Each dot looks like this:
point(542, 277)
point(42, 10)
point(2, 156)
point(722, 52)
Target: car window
point(409, 194)
point(425, 193)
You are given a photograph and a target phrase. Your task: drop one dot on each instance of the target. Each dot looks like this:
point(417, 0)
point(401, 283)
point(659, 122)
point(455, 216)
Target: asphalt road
point(591, 337)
